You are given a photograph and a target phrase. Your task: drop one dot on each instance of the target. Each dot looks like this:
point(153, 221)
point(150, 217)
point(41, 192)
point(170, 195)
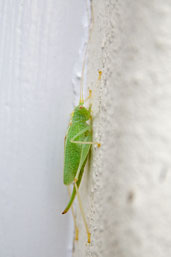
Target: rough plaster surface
point(39, 47)
point(126, 189)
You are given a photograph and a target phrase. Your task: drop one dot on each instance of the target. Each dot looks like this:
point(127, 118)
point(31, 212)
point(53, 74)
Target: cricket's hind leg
point(74, 217)
point(82, 213)
point(72, 140)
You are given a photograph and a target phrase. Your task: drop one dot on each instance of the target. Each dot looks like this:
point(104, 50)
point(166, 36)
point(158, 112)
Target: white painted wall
point(39, 48)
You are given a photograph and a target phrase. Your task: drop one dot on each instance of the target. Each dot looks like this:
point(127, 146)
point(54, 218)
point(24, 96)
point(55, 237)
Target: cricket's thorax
point(80, 113)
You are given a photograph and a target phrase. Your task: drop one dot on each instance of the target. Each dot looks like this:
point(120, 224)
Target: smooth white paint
point(39, 48)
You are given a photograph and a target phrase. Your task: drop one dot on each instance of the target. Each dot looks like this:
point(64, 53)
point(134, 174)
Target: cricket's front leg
point(89, 96)
point(98, 81)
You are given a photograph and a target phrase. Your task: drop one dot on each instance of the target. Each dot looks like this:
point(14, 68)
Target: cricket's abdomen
point(73, 152)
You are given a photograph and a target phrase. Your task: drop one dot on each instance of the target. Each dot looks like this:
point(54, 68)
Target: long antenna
point(85, 58)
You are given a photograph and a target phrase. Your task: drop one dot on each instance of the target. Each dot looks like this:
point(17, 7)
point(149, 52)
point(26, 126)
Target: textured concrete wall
point(39, 48)
point(126, 189)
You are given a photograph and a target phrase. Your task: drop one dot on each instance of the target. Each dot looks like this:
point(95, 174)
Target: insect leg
point(83, 142)
point(74, 190)
point(74, 217)
point(84, 154)
point(89, 96)
point(96, 86)
point(82, 213)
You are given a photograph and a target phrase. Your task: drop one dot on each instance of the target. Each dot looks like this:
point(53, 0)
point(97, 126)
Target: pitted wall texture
point(126, 188)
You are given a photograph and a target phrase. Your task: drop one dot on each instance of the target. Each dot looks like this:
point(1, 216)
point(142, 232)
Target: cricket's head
point(81, 113)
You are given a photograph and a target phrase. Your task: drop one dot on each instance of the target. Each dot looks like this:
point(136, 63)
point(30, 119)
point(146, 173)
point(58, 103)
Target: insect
point(77, 144)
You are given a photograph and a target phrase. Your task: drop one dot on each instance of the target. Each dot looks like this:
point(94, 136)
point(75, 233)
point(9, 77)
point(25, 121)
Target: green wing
point(84, 155)
point(72, 155)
